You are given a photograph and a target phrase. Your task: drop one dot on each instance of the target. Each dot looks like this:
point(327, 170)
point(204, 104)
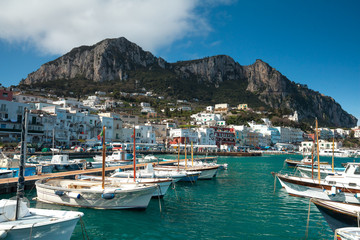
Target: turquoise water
point(239, 204)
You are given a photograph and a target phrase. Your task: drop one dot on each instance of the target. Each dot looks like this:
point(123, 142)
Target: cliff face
point(106, 60)
point(219, 77)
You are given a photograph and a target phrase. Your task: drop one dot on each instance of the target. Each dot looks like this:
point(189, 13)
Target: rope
point(358, 216)
point(174, 187)
point(307, 222)
point(83, 229)
point(159, 194)
point(274, 183)
point(31, 231)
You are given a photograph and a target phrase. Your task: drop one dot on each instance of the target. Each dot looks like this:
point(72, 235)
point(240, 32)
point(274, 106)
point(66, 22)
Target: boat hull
point(60, 229)
point(336, 217)
point(89, 198)
point(305, 187)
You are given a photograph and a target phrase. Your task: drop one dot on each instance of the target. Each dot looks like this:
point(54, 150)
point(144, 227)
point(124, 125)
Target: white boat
point(82, 193)
point(149, 172)
point(34, 223)
point(62, 162)
point(206, 172)
point(148, 158)
point(337, 153)
point(118, 155)
point(344, 188)
point(350, 233)
point(307, 171)
point(163, 184)
point(6, 173)
point(17, 221)
point(95, 194)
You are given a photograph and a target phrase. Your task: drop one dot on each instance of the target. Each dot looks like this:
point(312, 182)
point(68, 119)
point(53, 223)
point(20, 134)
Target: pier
point(9, 185)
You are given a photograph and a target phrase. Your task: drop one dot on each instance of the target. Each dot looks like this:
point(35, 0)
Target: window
point(357, 170)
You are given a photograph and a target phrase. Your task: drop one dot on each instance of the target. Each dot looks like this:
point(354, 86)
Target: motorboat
point(6, 173)
point(344, 188)
point(148, 158)
point(118, 155)
point(336, 153)
point(206, 172)
point(62, 162)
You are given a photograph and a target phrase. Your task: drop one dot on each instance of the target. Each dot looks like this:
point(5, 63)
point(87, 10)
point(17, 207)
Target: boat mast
point(333, 153)
point(21, 179)
point(185, 155)
point(134, 157)
point(317, 148)
point(178, 156)
point(312, 159)
point(103, 157)
point(192, 154)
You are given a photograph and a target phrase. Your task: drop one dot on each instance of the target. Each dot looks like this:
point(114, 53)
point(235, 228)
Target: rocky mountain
point(120, 64)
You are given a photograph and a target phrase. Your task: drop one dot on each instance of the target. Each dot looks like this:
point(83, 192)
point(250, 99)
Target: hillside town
point(68, 122)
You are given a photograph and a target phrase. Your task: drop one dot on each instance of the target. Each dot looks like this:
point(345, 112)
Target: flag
point(101, 134)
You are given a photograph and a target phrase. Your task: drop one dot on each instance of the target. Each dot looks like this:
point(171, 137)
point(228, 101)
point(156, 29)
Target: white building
point(290, 135)
point(306, 146)
point(203, 118)
point(210, 108)
point(221, 108)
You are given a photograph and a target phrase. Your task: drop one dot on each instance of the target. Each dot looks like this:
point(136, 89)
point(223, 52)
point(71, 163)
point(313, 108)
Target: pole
point(333, 153)
point(317, 148)
point(134, 153)
point(192, 154)
point(21, 179)
point(103, 157)
point(178, 156)
point(312, 160)
point(185, 154)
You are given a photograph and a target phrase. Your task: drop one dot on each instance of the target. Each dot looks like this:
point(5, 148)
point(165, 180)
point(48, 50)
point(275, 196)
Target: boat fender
point(74, 195)
point(357, 195)
point(108, 195)
point(3, 234)
point(333, 191)
point(59, 193)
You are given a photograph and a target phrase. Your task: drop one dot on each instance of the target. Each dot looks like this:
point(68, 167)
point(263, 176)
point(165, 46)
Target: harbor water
point(240, 203)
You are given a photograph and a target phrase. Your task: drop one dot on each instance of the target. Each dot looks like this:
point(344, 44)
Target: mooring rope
point(274, 183)
point(307, 222)
point(159, 194)
point(83, 229)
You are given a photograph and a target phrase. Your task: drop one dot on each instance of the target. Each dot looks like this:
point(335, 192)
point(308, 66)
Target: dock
point(9, 185)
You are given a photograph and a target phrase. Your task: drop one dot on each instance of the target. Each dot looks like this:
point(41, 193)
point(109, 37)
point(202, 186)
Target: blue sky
point(310, 42)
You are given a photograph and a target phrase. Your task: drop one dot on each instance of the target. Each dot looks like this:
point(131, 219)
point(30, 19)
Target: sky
point(313, 42)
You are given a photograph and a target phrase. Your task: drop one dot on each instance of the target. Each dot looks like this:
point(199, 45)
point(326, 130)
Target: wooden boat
point(305, 161)
point(163, 184)
point(6, 173)
point(17, 221)
point(306, 171)
point(337, 214)
point(95, 194)
point(149, 172)
point(344, 188)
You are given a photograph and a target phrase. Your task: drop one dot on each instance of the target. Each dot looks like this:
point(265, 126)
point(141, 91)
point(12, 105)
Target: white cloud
point(55, 27)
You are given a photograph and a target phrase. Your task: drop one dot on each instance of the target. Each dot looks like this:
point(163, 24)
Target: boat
point(118, 155)
point(350, 233)
point(337, 214)
point(337, 153)
point(12, 163)
point(305, 161)
point(95, 194)
point(344, 188)
point(90, 194)
point(61, 162)
point(6, 173)
point(148, 158)
point(163, 184)
point(17, 221)
point(307, 171)
point(150, 172)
